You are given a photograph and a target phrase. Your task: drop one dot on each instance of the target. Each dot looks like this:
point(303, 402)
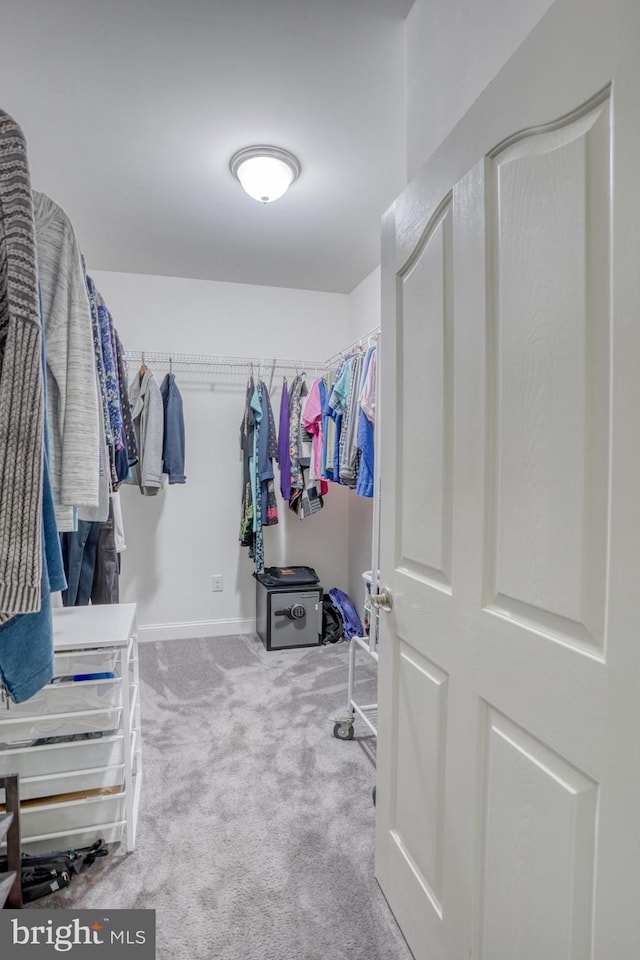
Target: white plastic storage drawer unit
point(76, 743)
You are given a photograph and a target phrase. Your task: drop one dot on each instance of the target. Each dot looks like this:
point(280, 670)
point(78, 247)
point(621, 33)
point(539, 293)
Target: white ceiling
point(132, 109)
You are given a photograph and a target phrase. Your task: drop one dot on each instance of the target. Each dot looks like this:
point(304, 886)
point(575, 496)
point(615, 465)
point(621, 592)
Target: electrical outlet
point(217, 583)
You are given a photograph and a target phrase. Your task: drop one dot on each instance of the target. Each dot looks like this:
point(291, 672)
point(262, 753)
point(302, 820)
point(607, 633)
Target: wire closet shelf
point(367, 340)
point(203, 363)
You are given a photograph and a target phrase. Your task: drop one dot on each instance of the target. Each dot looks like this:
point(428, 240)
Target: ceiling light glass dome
point(265, 172)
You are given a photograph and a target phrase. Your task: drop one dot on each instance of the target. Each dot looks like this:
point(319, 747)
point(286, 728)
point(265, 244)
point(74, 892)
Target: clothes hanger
point(143, 367)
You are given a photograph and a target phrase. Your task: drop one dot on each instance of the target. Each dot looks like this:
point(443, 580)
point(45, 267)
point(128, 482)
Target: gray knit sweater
point(21, 383)
point(72, 392)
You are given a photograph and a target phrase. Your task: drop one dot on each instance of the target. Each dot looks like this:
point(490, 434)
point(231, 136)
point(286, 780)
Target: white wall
point(364, 306)
point(364, 316)
point(178, 539)
point(454, 49)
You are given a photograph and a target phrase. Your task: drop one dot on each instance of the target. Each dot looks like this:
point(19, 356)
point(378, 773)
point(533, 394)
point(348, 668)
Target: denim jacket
point(173, 444)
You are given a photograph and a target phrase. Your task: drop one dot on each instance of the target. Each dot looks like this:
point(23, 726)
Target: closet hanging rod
point(360, 342)
point(193, 360)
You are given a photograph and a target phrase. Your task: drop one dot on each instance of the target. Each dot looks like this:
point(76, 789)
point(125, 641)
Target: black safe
point(288, 615)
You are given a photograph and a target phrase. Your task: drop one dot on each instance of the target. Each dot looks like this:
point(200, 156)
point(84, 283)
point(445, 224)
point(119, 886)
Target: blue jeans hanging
point(79, 553)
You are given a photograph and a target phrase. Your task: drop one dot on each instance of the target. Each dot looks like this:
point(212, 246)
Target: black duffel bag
point(44, 873)
point(332, 625)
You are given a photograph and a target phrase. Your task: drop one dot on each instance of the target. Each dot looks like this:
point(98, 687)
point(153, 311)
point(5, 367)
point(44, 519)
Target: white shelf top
point(105, 625)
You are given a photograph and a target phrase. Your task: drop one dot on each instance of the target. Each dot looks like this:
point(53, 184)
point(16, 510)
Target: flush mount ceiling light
point(266, 173)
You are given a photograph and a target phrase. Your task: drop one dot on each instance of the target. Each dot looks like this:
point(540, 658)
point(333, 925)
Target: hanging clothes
point(129, 435)
point(267, 451)
point(52, 551)
point(101, 512)
point(336, 409)
point(368, 394)
point(147, 413)
point(173, 441)
point(366, 400)
point(112, 386)
point(21, 384)
point(259, 446)
point(349, 453)
point(328, 429)
point(256, 489)
point(90, 562)
point(119, 453)
point(284, 458)
point(99, 360)
point(79, 554)
point(53, 322)
point(106, 575)
point(310, 500)
point(312, 419)
point(73, 393)
point(118, 523)
point(305, 496)
point(26, 640)
point(251, 518)
point(256, 550)
point(247, 428)
point(296, 397)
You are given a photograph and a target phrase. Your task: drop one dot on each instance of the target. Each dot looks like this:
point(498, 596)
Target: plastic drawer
point(72, 815)
point(53, 758)
point(74, 781)
point(66, 767)
point(82, 662)
point(109, 832)
point(23, 729)
point(67, 698)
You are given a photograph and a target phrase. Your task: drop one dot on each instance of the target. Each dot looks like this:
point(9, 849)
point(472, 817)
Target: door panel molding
point(424, 350)
point(421, 696)
point(536, 841)
point(549, 329)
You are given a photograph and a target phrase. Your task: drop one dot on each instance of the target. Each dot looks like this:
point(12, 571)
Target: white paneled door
point(509, 703)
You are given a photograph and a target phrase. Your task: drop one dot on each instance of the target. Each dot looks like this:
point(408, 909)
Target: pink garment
point(312, 422)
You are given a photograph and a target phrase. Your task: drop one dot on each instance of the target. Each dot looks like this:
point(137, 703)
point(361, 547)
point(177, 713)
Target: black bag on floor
point(44, 873)
point(332, 626)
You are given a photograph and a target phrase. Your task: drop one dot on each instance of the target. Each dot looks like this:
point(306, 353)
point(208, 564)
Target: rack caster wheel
point(343, 730)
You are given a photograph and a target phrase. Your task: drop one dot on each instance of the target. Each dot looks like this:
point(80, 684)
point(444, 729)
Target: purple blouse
point(284, 457)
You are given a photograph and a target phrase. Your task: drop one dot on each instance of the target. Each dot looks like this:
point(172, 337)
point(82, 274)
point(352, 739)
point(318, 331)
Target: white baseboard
point(193, 629)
